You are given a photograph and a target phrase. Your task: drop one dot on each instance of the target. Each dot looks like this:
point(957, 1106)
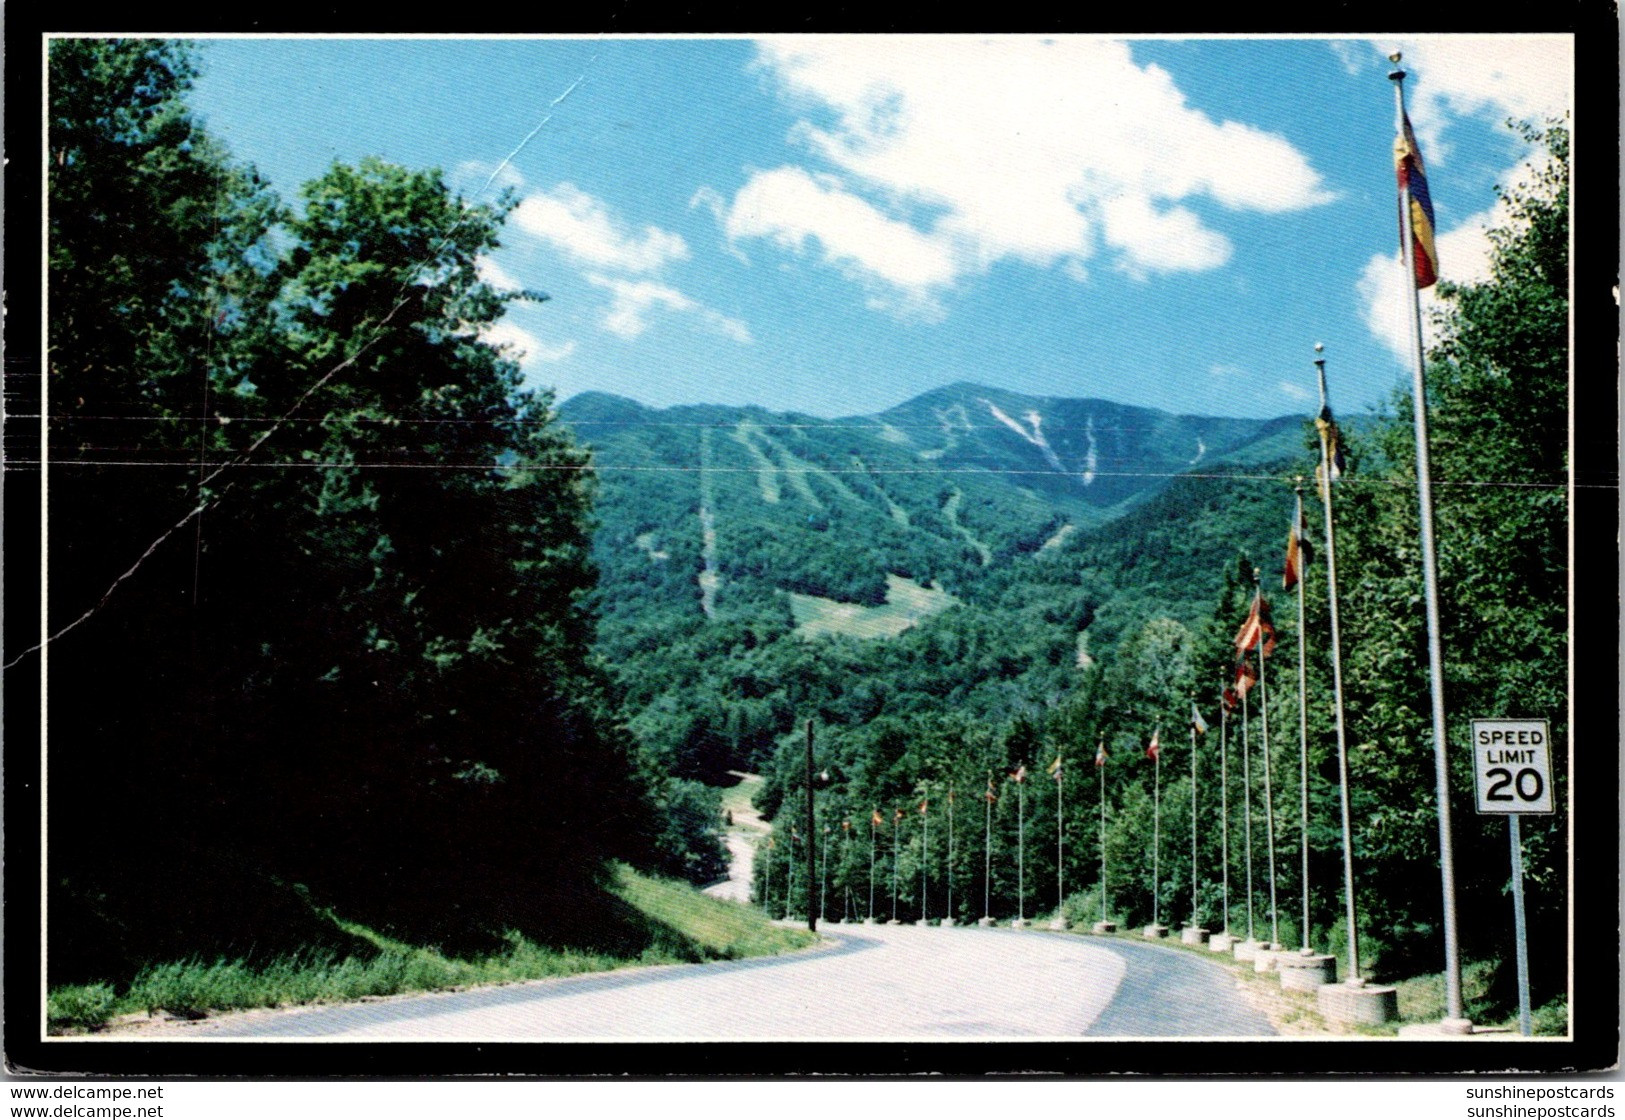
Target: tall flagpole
point(1156, 827)
point(1247, 807)
point(925, 852)
point(949, 919)
point(1269, 798)
point(987, 850)
point(873, 824)
point(1455, 1021)
point(1060, 892)
point(896, 841)
point(1021, 846)
point(1100, 765)
point(1194, 922)
point(1300, 571)
point(1224, 801)
point(1327, 468)
point(823, 878)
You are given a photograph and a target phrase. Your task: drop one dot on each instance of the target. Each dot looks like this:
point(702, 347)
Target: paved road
point(870, 983)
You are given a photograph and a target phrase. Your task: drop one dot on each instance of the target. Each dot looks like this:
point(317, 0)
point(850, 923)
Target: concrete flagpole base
point(1355, 1002)
point(868, 921)
point(1220, 942)
point(1020, 923)
point(1264, 960)
point(894, 922)
point(948, 922)
point(986, 922)
point(924, 922)
point(1193, 935)
point(1105, 927)
point(1057, 923)
point(1452, 1028)
point(1246, 950)
point(1306, 970)
point(1154, 932)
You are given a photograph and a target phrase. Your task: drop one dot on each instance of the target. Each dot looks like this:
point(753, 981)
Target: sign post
point(1512, 772)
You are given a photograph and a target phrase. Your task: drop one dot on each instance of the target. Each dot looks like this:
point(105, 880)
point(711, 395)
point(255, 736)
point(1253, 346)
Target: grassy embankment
point(676, 923)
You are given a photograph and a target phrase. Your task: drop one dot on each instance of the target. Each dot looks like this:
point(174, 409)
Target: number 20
point(1502, 778)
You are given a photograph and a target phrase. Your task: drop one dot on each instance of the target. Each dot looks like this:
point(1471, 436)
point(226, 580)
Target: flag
point(923, 804)
point(1246, 677)
point(1230, 699)
point(1054, 770)
point(1019, 774)
point(1299, 555)
point(992, 794)
point(898, 816)
point(1154, 751)
point(1331, 442)
point(846, 826)
point(1413, 181)
point(1197, 721)
point(875, 819)
point(1100, 755)
point(950, 795)
point(1258, 628)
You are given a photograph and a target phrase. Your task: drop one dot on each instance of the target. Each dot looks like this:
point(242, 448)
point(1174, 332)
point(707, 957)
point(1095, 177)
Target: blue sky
point(833, 225)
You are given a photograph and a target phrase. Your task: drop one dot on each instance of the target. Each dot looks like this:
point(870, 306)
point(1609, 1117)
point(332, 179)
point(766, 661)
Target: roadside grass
point(682, 926)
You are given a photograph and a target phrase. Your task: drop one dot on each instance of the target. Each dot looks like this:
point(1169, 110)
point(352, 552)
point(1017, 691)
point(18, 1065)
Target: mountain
point(971, 547)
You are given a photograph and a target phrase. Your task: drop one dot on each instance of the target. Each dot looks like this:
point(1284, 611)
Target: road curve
point(866, 984)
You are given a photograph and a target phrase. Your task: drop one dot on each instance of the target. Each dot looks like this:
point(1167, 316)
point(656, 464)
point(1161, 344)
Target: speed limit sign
point(1512, 765)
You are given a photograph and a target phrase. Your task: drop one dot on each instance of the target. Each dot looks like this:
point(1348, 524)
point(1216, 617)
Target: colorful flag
point(992, 794)
point(875, 819)
point(1258, 628)
point(1054, 770)
point(1019, 774)
point(899, 814)
point(950, 795)
point(1154, 751)
point(1414, 182)
point(1331, 442)
point(846, 826)
point(923, 804)
point(1197, 721)
point(1100, 755)
point(1246, 677)
point(1299, 555)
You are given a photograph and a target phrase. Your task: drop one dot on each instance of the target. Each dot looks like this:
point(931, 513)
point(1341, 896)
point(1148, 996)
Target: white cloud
point(522, 346)
point(633, 300)
point(791, 207)
point(583, 227)
point(954, 153)
point(1464, 258)
point(1295, 391)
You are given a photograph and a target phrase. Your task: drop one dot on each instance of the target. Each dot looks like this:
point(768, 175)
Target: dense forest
point(318, 563)
point(347, 620)
point(1167, 587)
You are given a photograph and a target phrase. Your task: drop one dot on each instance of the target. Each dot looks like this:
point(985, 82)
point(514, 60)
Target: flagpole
point(1337, 674)
point(925, 850)
point(1269, 799)
point(1455, 1022)
point(1303, 719)
point(1224, 803)
point(812, 836)
point(1021, 850)
point(1194, 922)
point(1060, 891)
point(872, 826)
point(1156, 831)
point(1247, 810)
point(896, 840)
point(823, 878)
point(987, 852)
point(1100, 764)
point(950, 916)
